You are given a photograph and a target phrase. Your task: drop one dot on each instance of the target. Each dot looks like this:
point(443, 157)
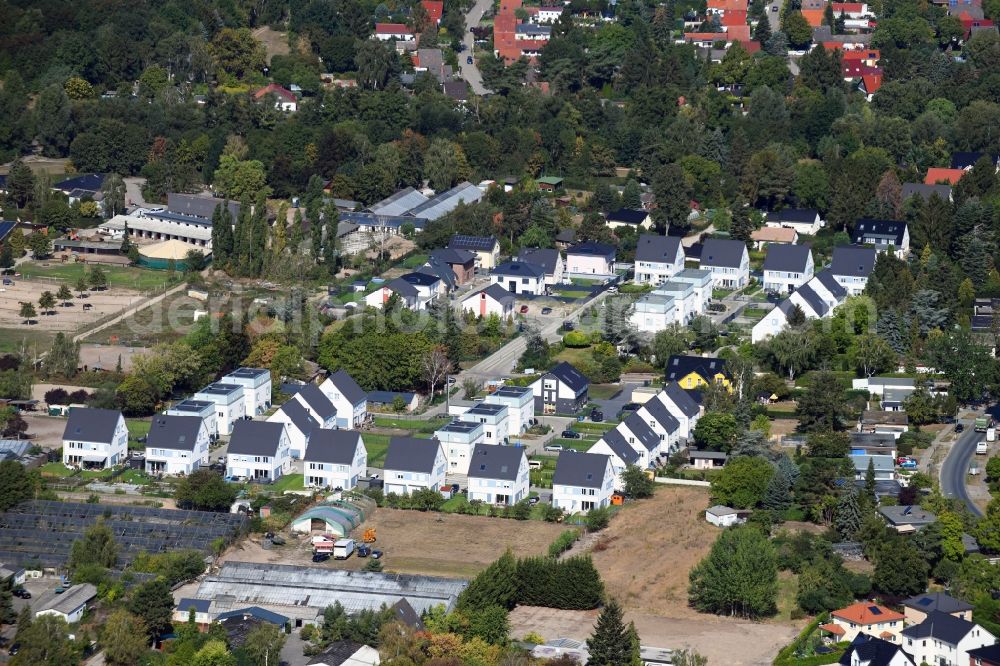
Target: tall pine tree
point(612, 643)
point(847, 517)
point(222, 235)
point(778, 495)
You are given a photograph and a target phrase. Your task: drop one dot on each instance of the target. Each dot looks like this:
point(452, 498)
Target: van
point(343, 548)
point(981, 448)
point(534, 464)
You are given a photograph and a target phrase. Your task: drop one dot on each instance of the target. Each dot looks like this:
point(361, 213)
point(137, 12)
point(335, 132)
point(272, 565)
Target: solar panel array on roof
point(178, 217)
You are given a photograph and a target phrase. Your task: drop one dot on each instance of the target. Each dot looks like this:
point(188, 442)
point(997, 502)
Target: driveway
point(471, 72)
point(133, 193)
point(613, 405)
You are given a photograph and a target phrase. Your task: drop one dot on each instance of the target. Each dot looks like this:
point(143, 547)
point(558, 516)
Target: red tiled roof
point(734, 17)
point(392, 29)
point(434, 9)
point(705, 37)
point(936, 175)
point(833, 629)
point(866, 612)
point(848, 7)
point(861, 54)
point(738, 33)
point(508, 6)
point(853, 70)
point(728, 5)
point(871, 82)
point(275, 89)
point(813, 16)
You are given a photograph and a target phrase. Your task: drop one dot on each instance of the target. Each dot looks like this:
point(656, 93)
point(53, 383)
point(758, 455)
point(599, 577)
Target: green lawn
point(125, 277)
point(584, 282)
point(572, 293)
point(376, 445)
point(60, 470)
point(416, 425)
point(13, 339)
point(542, 478)
point(575, 444)
point(719, 294)
point(591, 427)
point(289, 482)
point(603, 391)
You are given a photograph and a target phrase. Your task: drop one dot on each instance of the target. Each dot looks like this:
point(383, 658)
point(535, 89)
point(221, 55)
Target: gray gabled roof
point(888, 230)
point(810, 296)
point(628, 216)
point(925, 191)
point(584, 470)
point(723, 252)
point(86, 424)
point(682, 399)
point(937, 601)
point(440, 270)
point(332, 446)
point(199, 605)
point(199, 206)
point(852, 260)
point(659, 411)
point(255, 438)
point(570, 376)
point(451, 255)
point(410, 454)
point(593, 249)
point(490, 461)
point(499, 294)
point(545, 257)
point(940, 626)
point(300, 416)
point(399, 203)
point(641, 430)
point(348, 387)
point(179, 433)
point(444, 203)
point(786, 257)
point(616, 442)
point(403, 288)
point(681, 365)
point(318, 401)
point(519, 269)
point(835, 288)
point(657, 248)
point(799, 215)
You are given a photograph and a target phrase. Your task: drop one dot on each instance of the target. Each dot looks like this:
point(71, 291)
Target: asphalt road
point(471, 72)
point(956, 467)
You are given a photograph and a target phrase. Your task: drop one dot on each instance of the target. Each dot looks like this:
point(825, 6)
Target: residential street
point(471, 72)
point(956, 467)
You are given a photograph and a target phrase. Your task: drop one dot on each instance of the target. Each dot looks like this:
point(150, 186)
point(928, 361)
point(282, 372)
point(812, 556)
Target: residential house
point(498, 474)
point(681, 406)
point(816, 299)
point(767, 235)
point(486, 249)
point(631, 218)
point(520, 403)
point(917, 608)
point(203, 409)
point(386, 400)
point(519, 278)
point(457, 440)
point(622, 455)
point(944, 639)
point(428, 285)
point(434, 9)
point(883, 466)
point(549, 183)
point(802, 220)
point(349, 653)
point(299, 423)
point(409, 296)
point(284, 99)
point(988, 655)
point(870, 84)
point(442, 272)
point(653, 312)
point(315, 401)
point(432, 62)
point(692, 372)
point(582, 481)
point(561, 390)
point(868, 650)
point(461, 262)
point(906, 519)
point(890, 423)
point(787, 267)
point(94, 438)
point(492, 300)
point(256, 383)
point(729, 262)
point(414, 464)
point(386, 32)
point(549, 14)
point(724, 516)
point(348, 398)
point(590, 259)
point(641, 436)
point(335, 459)
point(967, 160)
point(230, 404)
point(259, 451)
point(702, 280)
point(664, 424)
point(891, 392)
point(494, 417)
point(936, 175)
point(201, 607)
point(926, 191)
point(68, 605)
point(864, 617)
point(549, 259)
point(885, 235)
point(176, 445)
point(657, 258)
point(707, 459)
point(851, 265)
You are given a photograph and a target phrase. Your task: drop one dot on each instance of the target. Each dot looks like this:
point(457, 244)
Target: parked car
point(553, 447)
point(612, 289)
point(468, 60)
point(524, 309)
point(21, 593)
point(568, 325)
point(377, 554)
point(570, 434)
point(629, 407)
point(546, 310)
point(596, 415)
point(321, 557)
point(533, 500)
point(14, 649)
point(959, 428)
point(363, 550)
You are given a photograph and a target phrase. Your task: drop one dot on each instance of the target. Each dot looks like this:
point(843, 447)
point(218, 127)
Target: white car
point(554, 447)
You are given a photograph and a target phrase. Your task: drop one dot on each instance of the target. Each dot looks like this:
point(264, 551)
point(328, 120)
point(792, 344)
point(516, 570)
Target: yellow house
point(693, 372)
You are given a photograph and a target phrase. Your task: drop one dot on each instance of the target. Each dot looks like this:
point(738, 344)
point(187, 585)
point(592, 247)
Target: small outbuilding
point(724, 516)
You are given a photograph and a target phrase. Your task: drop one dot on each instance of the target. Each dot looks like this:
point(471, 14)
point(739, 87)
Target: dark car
point(21, 593)
point(630, 407)
point(596, 415)
point(570, 434)
point(377, 554)
point(959, 428)
point(568, 325)
point(546, 310)
point(524, 309)
point(14, 649)
point(321, 557)
point(468, 60)
point(363, 551)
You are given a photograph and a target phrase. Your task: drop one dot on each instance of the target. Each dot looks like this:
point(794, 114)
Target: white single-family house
point(802, 220)
point(203, 409)
point(619, 452)
point(349, 400)
point(316, 403)
point(335, 459)
point(457, 440)
point(230, 405)
point(258, 451)
point(851, 266)
point(299, 423)
point(548, 258)
point(658, 258)
point(629, 217)
point(681, 406)
point(944, 639)
point(885, 235)
point(176, 445)
point(498, 474)
point(518, 277)
point(787, 267)
point(582, 481)
point(653, 312)
point(94, 438)
point(590, 258)
point(729, 262)
point(409, 296)
point(69, 605)
point(413, 464)
point(492, 300)
point(520, 403)
point(561, 390)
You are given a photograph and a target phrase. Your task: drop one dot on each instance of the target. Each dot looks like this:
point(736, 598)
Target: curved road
point(956, 466)
point(471, 72)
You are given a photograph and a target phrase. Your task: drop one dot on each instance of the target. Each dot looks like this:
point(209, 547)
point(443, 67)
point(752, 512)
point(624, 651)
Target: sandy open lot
point(422, 543)
point(45, 431)
point(67, 319)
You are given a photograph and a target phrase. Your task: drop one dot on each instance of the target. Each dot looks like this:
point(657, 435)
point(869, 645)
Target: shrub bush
point(576, 339)
point(563, 542)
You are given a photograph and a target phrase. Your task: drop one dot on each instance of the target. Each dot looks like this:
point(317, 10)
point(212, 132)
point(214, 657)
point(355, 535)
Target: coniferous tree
point(612, 642)
point(778, 495)
point(222, 234)
point(762, 33)
point(847, 517)
point(870, 480)
point(496, 585)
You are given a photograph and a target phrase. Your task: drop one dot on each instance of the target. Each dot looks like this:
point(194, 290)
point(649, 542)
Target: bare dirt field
point(275, 43)
point(45, 431)
point(66, 319)
point(435, 544)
